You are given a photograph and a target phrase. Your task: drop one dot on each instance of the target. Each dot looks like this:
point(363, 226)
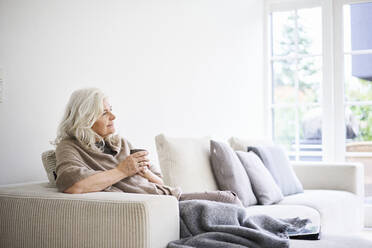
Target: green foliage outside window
point(362, 113)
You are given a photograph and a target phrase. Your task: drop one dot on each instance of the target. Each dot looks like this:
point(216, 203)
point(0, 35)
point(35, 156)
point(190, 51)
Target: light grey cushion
point(50, 164)
point(276, 161)
point(230, 174)
point(263, 184)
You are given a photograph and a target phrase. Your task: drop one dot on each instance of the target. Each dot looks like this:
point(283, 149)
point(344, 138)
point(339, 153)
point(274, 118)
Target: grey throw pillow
point(230, 174)
point(264, 187)
point(276, 161)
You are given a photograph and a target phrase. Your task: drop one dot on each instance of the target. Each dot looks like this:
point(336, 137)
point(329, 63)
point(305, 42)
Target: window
point(296, 69)
point(319, 91)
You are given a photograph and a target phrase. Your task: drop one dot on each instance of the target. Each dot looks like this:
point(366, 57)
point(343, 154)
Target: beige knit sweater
point(76, 162)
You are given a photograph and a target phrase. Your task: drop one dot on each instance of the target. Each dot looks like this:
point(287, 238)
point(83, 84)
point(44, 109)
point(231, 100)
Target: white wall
point(179, 67)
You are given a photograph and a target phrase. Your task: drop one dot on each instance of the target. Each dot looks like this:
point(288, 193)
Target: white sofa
point(36, 215)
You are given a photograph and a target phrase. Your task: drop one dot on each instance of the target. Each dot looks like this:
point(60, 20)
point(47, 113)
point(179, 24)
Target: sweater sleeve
point(70, 167)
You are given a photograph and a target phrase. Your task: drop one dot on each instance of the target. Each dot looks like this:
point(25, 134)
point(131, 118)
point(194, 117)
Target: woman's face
point(104, 126)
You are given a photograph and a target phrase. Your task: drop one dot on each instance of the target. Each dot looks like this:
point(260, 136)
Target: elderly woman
point(92, 158)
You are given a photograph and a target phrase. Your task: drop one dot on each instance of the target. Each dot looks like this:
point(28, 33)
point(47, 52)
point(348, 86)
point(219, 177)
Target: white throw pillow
point(242, 144)
point(185, 163)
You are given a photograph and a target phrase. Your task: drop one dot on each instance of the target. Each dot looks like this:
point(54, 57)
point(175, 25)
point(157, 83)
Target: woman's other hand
point(144, 171)
point(131, 164)
point(149, 175)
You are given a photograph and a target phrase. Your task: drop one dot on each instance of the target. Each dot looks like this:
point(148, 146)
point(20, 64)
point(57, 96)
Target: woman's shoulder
point(68, 144)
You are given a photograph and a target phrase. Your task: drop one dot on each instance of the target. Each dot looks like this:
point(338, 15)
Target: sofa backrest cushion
point(185, 163)
point(230, 174)
point(50, 163)
point(276, 161)
point(263, 184)
point(239, 144)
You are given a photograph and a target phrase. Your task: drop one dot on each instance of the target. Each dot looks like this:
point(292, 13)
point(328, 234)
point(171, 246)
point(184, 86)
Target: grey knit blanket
point(214, 224)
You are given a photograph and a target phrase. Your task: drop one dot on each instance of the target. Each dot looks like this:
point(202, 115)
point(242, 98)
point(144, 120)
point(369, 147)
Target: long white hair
point(83, 109)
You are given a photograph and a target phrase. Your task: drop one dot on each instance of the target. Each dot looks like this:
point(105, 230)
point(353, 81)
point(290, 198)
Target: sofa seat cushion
point(339, 210)
point(285, 212)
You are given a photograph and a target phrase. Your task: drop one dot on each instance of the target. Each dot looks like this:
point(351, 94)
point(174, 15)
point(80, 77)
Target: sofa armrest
point(335, 176)
point(37, 216)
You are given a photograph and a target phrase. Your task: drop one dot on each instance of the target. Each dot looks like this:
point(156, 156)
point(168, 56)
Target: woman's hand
point(131, 164)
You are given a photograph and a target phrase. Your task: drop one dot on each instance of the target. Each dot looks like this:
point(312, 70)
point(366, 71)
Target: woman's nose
point(113, 117)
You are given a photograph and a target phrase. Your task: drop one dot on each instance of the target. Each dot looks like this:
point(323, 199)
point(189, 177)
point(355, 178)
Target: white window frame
point(332, 99)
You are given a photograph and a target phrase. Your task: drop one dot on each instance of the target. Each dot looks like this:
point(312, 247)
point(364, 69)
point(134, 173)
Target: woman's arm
point(99, 181)
point(149, 175)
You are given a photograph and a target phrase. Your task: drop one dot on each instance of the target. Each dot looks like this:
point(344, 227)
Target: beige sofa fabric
point(185, 163)
point(36, 215)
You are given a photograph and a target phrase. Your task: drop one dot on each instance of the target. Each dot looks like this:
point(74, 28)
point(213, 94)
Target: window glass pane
point(358, 123)
point(284, 127)
point(357, 26)
point(310, 133)
point(309, 79)
point(283, 33)
point(358, 77)
point(284, 90)
point(296, 80)
point(309, 26)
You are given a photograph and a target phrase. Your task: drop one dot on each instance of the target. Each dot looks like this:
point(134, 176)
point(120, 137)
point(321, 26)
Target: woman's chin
point(112, 130)
point(108, 132)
